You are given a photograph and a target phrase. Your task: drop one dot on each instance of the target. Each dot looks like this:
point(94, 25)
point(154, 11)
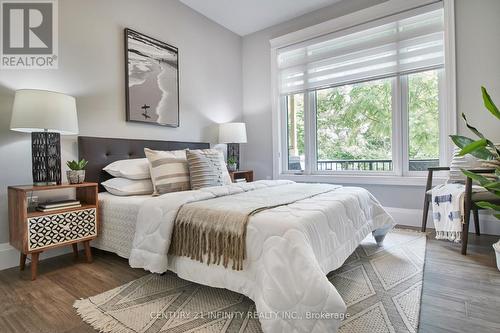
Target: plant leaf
point(488, 103)
point(497, 216)
point(488, 205)
point(494, 185)
point(480, 135)
point(472, 128)
point(483, 181)
point(481, 153)
point(474, 176)
point(473, 147)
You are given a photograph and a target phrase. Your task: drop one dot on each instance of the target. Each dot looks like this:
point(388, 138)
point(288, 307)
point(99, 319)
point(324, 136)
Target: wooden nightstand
point(32, 232)
point(241, 174)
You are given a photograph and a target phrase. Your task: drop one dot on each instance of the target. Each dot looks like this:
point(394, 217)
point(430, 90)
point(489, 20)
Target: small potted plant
point(76, 174)
point(232, 164)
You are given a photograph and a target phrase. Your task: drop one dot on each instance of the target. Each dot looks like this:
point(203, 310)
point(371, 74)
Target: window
point(354, 129)
point(295, 129)
point(365, 100)
point(423, 120)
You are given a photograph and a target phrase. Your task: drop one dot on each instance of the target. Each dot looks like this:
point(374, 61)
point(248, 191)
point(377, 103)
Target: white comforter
point(290, 249)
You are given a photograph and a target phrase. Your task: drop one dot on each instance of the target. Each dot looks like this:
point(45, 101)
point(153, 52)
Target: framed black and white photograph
point(152, 80)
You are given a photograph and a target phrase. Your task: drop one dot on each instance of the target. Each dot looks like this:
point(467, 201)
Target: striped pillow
point(207, 168)
point(169, 170)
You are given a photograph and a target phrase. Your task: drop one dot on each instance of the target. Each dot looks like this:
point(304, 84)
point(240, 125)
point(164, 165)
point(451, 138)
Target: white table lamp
point(233, 134)
point(46, 115)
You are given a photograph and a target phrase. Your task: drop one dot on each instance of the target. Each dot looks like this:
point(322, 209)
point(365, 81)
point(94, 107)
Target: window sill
point(363, 179)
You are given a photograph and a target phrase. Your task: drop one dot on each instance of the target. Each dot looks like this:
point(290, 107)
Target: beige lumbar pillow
point(169, 170)
point(207, 168)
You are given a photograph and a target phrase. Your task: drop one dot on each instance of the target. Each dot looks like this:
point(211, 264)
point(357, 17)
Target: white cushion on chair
point(461, 162)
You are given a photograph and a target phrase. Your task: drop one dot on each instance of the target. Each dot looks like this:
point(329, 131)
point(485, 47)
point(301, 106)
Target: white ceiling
point(246, 16)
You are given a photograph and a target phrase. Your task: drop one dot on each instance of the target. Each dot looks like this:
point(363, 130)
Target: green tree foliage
point(299, 123)
point(423, 105)
point(354, 122)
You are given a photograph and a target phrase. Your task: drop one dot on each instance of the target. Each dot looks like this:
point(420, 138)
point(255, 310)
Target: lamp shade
point(232, 133)
point(39, 110)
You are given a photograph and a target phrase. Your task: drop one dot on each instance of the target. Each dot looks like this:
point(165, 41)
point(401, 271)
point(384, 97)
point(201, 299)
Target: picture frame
point(151, 80)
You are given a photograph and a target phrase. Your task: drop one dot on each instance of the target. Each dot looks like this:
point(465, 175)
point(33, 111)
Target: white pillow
point(124, 187)
point(136, 168)
point(461, 162)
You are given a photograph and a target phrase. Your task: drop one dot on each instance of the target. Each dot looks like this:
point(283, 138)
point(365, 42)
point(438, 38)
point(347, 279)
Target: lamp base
point(233, 151)
point(46, 158)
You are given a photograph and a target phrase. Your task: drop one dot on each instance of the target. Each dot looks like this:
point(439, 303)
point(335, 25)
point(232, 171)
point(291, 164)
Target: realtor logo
point(29, 34)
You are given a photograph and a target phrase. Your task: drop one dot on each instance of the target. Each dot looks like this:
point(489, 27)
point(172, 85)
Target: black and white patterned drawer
point(48, 230)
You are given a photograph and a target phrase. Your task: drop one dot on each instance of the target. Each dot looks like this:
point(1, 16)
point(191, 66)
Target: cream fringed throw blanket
point(214, 230)
point(447, 211)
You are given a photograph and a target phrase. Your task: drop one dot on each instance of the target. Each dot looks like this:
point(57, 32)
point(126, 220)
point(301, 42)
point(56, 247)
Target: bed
point(290, 247)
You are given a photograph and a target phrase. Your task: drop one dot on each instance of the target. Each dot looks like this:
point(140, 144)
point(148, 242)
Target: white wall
point(478, 63)
point(477, 31)
point(91, 68)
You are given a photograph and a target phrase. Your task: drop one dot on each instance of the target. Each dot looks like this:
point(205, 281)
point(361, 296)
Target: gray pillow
point(207, 168)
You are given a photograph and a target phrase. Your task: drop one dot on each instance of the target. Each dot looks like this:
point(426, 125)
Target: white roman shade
point(402, 43)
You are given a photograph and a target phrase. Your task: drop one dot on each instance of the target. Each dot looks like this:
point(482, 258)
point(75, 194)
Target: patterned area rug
point(381, 286)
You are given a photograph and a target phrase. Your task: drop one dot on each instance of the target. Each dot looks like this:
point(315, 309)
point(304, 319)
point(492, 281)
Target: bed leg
point(380, 234)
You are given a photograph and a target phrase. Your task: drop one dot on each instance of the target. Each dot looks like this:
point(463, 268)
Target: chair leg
point(465, 230)
point(425, 213)
point(467, 208)
point(476, 221)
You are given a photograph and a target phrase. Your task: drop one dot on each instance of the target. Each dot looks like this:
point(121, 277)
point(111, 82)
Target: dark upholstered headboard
point(100, 152)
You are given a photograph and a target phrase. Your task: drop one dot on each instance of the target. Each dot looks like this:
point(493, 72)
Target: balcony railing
point(372, 165)
point(296, 163)
point(364, 165)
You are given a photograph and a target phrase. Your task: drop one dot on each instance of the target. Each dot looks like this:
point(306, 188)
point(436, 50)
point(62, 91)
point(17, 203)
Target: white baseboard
point(489, 225)
point(9, 256)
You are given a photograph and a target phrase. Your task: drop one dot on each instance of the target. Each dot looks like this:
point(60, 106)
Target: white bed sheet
point(118, 217)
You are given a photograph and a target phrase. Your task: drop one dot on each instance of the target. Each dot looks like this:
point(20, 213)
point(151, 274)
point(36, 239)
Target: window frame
point(399, 133)
point(400, 175)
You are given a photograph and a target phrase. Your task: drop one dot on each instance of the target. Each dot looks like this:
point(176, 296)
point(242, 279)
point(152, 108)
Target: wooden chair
point(469, 203)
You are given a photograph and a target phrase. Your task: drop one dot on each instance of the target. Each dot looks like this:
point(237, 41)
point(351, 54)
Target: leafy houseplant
point(232, 164)
point(484, 149)
point(76, 174)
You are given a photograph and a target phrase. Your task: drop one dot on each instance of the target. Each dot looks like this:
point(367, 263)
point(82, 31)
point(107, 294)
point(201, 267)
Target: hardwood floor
point(45, 305)
point(460, 294)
